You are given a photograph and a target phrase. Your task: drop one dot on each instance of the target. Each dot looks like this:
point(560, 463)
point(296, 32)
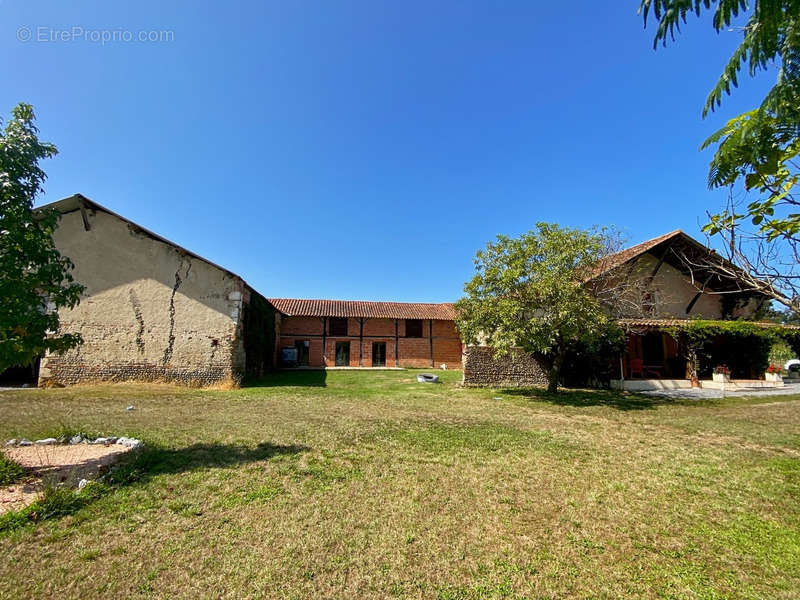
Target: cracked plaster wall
point(150, 312)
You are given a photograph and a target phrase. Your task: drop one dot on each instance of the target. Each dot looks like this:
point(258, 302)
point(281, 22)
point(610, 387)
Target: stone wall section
point(483, 369)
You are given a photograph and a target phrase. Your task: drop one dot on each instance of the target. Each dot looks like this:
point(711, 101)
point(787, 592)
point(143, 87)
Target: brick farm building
point(338, 333)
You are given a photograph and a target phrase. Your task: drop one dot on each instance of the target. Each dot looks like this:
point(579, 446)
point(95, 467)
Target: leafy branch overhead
point(759, 148)
point(35, 280)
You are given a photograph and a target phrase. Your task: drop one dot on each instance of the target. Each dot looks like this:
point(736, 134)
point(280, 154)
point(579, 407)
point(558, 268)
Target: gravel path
point(59, 463)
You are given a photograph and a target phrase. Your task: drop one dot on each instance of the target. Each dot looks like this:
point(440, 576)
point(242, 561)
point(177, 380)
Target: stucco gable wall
point(149, 311)
point(674, 291)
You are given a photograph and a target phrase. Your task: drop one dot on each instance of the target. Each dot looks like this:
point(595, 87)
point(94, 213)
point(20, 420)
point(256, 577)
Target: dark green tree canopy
point(530, 292)
point(35, 279)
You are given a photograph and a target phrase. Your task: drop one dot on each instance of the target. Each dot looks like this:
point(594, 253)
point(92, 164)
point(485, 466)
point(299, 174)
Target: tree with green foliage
point(531, 293)
point(35, 279)
point(757, 150)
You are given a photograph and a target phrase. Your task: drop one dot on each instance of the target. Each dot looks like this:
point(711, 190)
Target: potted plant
point(774, 373)
point(721, 374)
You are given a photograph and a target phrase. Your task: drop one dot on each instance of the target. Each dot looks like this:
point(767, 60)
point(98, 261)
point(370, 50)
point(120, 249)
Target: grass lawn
point(368, 485)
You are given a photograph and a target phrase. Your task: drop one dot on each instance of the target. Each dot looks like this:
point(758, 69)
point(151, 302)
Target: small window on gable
point(338, 326)
point(414, 328)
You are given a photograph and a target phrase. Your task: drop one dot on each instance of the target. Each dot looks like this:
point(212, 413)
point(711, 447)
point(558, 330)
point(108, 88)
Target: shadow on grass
point(290, 378)
point(152, 461)
point(139, 467)
point(586, 398)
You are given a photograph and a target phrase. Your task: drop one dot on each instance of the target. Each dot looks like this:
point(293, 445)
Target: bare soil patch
point(57, 464)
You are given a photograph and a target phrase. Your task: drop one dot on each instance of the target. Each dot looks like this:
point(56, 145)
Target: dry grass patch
point(358, 484)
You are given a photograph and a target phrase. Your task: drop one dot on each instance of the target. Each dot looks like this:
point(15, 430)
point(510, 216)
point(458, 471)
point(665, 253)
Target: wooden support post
point(396, 343)
point(430, 331)
point(361, 342)
point(698, 294)
point(658, 265)
point(84, 216)
point(324, 334)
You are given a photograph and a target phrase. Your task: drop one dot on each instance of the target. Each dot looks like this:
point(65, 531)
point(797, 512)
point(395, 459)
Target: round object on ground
point(427, 378)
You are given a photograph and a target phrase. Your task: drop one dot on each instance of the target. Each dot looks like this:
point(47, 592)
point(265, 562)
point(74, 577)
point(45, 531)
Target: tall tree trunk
point(554, 372)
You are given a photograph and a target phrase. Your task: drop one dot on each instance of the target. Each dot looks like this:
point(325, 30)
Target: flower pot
point(721, 377)
point(774, 377)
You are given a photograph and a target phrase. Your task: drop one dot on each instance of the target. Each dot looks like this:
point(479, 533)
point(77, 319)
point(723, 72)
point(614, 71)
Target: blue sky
point(366, 150)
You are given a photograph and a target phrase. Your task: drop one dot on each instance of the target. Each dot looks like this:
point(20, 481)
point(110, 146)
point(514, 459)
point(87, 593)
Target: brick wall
point(481, 368)
point(412, 352)
point(301, 326)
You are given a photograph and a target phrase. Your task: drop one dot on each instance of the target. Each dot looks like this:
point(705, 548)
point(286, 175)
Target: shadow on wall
point(585, 398)
point(291, 378)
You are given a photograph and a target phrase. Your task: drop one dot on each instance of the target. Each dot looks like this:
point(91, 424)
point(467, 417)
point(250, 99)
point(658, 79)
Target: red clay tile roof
point(620, 258)
point(356, 308)
point(672, 322)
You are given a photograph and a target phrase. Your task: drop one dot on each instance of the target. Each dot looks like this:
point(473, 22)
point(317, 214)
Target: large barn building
point(152, 310)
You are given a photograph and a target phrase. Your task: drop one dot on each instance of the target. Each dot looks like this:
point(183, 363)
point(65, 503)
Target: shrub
point(10, 471)
point(780, 353)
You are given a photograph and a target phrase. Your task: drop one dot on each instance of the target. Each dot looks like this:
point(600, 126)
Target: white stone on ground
point(132, 443)
point(47, 442)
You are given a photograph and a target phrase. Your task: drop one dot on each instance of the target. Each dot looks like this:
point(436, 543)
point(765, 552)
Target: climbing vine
point(742, 346)
point(259, 335)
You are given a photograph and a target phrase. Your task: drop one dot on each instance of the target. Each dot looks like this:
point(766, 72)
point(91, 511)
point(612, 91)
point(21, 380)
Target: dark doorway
point(302, 352)
point(27, 376)
point(378, 354)
point(653, 349)
point(342, 354)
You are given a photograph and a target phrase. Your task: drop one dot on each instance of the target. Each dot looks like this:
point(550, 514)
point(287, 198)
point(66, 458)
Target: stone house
point(343, 333)
point(152, 310)
point(668, 285)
